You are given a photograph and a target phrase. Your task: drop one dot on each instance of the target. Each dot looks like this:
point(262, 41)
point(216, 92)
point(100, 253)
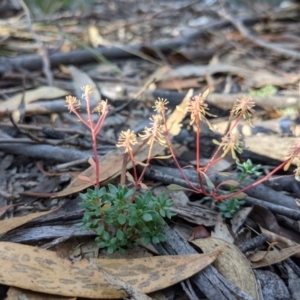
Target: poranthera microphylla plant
point(120, 216)
point(231, 142)
point(102, 108)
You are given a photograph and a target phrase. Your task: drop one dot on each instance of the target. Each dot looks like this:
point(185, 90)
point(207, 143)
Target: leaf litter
point(230, 62)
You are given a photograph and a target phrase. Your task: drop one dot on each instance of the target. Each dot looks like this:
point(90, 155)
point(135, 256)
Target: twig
point(45, 152)
point(238, 24)
point(33, 62)
point(35, 138)
point(291, 213)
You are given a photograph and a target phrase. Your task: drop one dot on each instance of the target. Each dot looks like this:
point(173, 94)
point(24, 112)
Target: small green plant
point(48, 7)
point(266, 91)
point(229, 207)
point(122, 223)
point(246, 169)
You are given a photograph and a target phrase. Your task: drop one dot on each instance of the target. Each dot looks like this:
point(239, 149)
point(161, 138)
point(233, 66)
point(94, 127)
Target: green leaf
point(162, 237)
point(122, 219)
point(155, 215)
point(145, 229)
point(129, 193)
point(110, 250)
point(147, 197)
point(162, 212)
point(106, 236)
point(132, 211)
point(120, 234)
point(108, 220)
point(147, 217)
point(146, 240)
point(227, 215)
point(112, 188)
point(101, 245)
point(113, 241)
point(132, 221)
point(169, 214)
point(138, 201)
point(155, 240)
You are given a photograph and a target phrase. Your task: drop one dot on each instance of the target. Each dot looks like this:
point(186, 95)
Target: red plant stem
point(198, 146)
point(147, 162)
point(94, 137)
point(81, 119)
point(101, 120)
point(198, 156)
point(174, 157)
point(220, 198)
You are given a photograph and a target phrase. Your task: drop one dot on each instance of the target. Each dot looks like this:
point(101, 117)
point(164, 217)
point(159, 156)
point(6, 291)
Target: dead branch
point(239, 25)
point(78, 57)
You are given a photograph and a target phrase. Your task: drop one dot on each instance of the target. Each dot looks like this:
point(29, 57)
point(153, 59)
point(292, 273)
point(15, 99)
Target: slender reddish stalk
point(147, 162)
point(94, 135)
point(102, 108)
point(223, 197)
point(174, 157)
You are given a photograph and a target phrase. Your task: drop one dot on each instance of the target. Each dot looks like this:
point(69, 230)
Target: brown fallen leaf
point(199, 232)
point(10, 224)
point(272, 257)
point(43, 271)
point(232, 264)
point(261, 254)
point(282, 242)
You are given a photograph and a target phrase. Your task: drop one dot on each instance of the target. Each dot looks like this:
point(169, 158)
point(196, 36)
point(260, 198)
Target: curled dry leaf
point(272, 257)
point(43, 271)
point(282, 242)
point(260, 255)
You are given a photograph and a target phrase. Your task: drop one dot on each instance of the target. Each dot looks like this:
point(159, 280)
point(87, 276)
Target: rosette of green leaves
point(120, 223)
